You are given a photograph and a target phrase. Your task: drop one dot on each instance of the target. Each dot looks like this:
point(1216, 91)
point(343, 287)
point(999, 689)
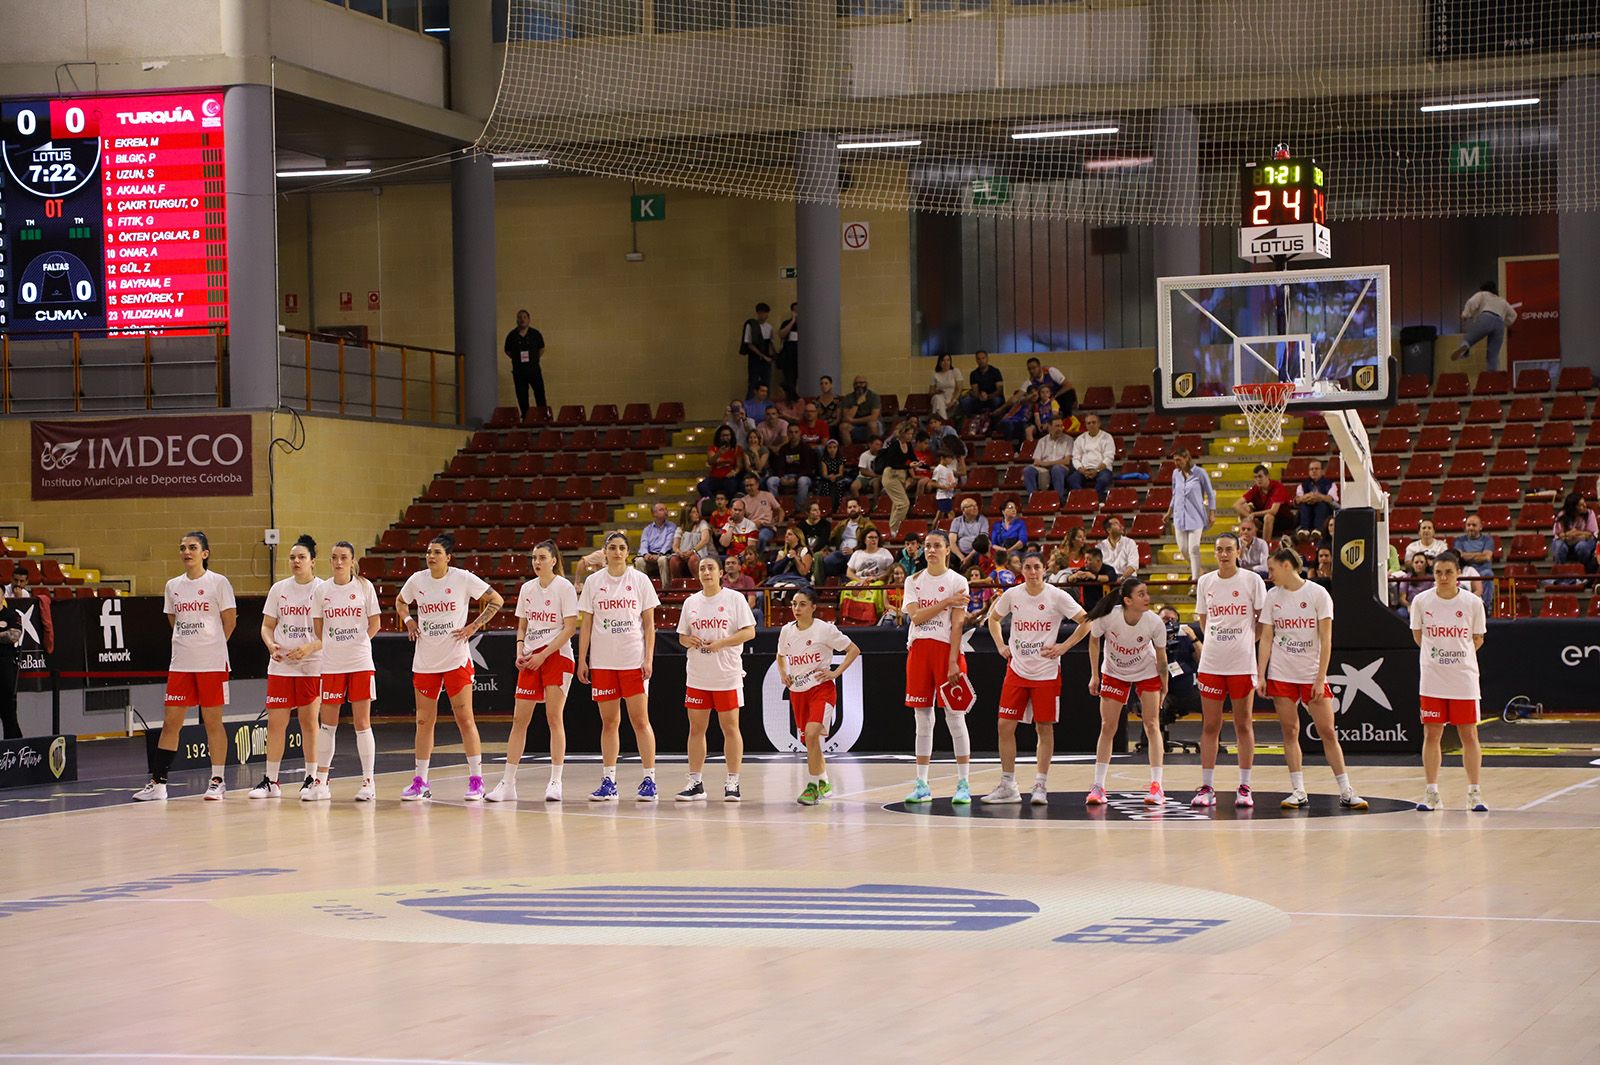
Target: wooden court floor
point(767, 932)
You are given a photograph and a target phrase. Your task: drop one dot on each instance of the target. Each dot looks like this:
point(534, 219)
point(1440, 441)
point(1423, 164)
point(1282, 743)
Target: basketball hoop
point(1264, 406)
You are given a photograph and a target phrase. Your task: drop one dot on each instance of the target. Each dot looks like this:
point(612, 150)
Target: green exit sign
point(1470, 157)
point(652, 208)
point(991, 192)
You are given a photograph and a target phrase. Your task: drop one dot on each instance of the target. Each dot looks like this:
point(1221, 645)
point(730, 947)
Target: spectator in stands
point(721, 513)
point(945, 480)
point(834, 478)
point(794, 466)
point(734, 576)
point(845, 538)
point(893, 464)
point(1268, 501)
point(1487, 317)
point(1090, 581)
point(1418, 579)
point(1119, 552)
point(1323, 574)
point(1042, 413)
point(524, 347)
point(986, 388)
point(862, 414)
point(10, 637)
point(983, 555)
point(870, 562)
point(1012, 419)
point(755, 344)
point(1425, 543)
point(789, 350)
point(980, 596)
point(814, 529)
point(924, 460)
point(756, 404)
point(773, 429)
point(657, 544)
point(1038, 374)
point(1252, 549)
point(793, 558)
point(894, 598)
point(911, 557)
point(944, 434)
point(1193, 507)
point(725, 465)
point(944, 386)
point(829, 406)
point(1010, 530)
point(1476, 549)
point(1070, 556)
point(790, 406)
point(738, 422)
point(867, 481)
point(1317, 499)
point(1093, 454)
point(757, 457)
point(738, 532)
point(1051, 462)
point(964, 528)
point(763, 508)
point(1573, 535)
point(694, 542)
point(814, 431)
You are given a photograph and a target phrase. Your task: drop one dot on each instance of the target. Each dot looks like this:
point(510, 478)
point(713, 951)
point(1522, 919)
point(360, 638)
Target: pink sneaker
point(1155, 796)
point(474, 789)
point(1096, 796)
point(1244, 798)
point(1205, 797)
point(417, 790)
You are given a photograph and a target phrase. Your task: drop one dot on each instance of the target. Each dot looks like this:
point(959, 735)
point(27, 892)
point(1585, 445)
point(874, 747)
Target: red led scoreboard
point(113, 214)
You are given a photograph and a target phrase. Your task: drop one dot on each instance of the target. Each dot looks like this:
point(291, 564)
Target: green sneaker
point(824, 789)
point(963, 795)
point(810, 796)
point(919, 793)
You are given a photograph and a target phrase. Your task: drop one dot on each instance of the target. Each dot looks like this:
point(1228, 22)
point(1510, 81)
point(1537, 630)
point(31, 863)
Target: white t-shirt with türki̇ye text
point(808, 653)
point(1035, 620)
point(714, 617)
point(546, 609)
point(923, 590)
point(441, 605)
point(1449, 661)
point(196, 606)
point(1229, 606)
point(1128, 652)
point(616, 633)
point(296, 607)
point(1296, 646)
point(346, 611)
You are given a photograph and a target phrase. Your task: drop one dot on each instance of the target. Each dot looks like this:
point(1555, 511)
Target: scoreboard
point(1283, 211)
point(113, 215)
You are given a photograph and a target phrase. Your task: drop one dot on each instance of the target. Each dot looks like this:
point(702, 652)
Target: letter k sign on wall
point(651, 208)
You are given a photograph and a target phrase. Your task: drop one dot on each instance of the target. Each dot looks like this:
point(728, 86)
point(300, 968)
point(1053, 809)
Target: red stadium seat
point(603, 414)
point(1496, 517)
point(1314, 444)
point(1449, 519)
point(1492, 383)
point(1528, 547)
point(1044, 502)
point(1434, 438)
point(439, 491)
point(1147, 447)
point(571, 414)
point(514, 441)
point(1386, 467)
point(1414, 494)
point(1536, 517)
point(1485, 412)
point(1557, 434)
point(1199, 423)
point(1413, 386)
point(1555, 460)
point(1157, 500)
point(1427, 466)
point(998, 451)
point(1526, 409)
point(636, 414)
point(1589, 461)
point(1080, 501)
point(483, 442)
point(1468, 464)
point(418, 516)
point(1402, 415)
point(572, 538)
point(1510, 464)
point(1404, 519)
point(1447, 412)
point(574, 488)
point(1520, 434)
point(1475, 438)
point(1458, 492)
point(538, 417)
point(1097, 398)
point(1124, 424)
point(1120, 501)
point(1501, 490)
point(668, 414)
point(653, 439)
point(1560, 606)
point(504, 418)
point(1393, 442)
point(1148, 527)
point(1575, 379)
point(1533, 381)
point(1451, 386)
point(1135, 397)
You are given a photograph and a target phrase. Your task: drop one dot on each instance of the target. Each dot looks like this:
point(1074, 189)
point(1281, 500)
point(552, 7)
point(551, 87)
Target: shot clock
point(113, 214)
point(1283, 211)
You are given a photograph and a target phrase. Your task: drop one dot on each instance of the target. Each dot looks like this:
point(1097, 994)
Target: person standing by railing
point(524, 347)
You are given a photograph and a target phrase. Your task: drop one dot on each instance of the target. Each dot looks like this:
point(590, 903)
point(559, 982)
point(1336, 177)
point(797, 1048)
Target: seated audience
point(656, 545)
point(868, 481)
point(725, 465)
point(835, 477)
point(1051, 462)
point(1090, 581)
point(1476, 549)
point(870, 562)
point(944, 386)
point(1323, 574)
point(694, 542)
point(829, 407)
point(1572, 537)
point(911, 559)
point(763, 508)
point(1317, 499)
point(1270, 503)
point(739, 422)
point(1093, 456)
point(757, 457)
point(1011, 530)
point(794, 466)
point(814, 431)
point(1425, 544)
point(739, 533)
point(894, 598)
point(985, 388)
point(862, 416)
point(845, 538)
point(1119, 552)
point(755, 408)
point(964, 527)
point(1418, 579)
point(1252, 549)
point(773, 429)
point(814, 528)
point(734, 576)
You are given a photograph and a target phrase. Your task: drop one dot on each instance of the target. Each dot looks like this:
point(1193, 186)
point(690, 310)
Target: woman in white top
point(351, 617)
point(294, 667)
point(201, 611)
point(1448, 625)
point(1127, 653)
point(1426, 543)
point(935, 602)
point(616, 645)
point(870, 562)
point(944, 386)
point(1032, 688)
point(805, 665)
point(713, 627)
point(1227, 602)
point(435, 606)
point(547, 618)
point(1295, 646)
point(692, 544)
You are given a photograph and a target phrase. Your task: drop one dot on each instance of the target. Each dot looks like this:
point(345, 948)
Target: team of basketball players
point(1257, 641)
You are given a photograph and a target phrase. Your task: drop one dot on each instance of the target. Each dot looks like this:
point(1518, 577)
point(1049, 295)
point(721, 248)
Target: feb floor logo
point(781, 909)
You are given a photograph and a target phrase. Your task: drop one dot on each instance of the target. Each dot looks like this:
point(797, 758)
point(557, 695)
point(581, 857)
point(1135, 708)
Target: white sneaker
point(151, 792)
point(316, 791)
point(1004, 792)
point(505, 791)
point(1296, 800)
point(1475, 801)
point(1040, 796)
point(552, 791)
point(216, 791)
point(324, 792)
point(366, 793)
point(1430, 799)
point(267, 789)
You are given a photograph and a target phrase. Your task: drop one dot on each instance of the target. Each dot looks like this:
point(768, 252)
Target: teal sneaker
point(963, 795)
point(824, 789)
point(809, 797)
point(920, 793)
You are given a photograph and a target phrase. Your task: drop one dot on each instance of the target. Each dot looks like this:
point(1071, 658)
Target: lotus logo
point(59, 456)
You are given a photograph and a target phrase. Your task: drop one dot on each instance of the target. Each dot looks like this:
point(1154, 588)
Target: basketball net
point(1264, 406)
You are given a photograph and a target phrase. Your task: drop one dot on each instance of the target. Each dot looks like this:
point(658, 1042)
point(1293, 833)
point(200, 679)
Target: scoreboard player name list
point(156, 231)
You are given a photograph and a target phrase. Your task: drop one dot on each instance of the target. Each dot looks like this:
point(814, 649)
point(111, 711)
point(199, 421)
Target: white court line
point(1449, 917)
point(1591, 782)
point(159, 1056)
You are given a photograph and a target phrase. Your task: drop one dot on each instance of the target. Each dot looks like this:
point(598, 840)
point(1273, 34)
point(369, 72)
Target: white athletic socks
point(696, 778)
point(650, 774)
point(273, 769)
point(475, 765)
point(733, 780)
point(220, 772)
point(961, 770)
point(1155, 773)
point(1297, 781)
point(1244, 777)
point(511, 772)
point(422, 767)
point(1100, 771)
point(1041, 779)
point(1208, 777)
point(1343, 780)
point(326, 736)
point(555, 774)
point(367, 748)
point(610, 773)
point(1008, 778)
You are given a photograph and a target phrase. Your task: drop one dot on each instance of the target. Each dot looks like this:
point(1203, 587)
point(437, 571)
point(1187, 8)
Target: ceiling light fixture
point(1048, 134)
point(1475, 105)
point(846, 146)
point(501, 164)
point(349, 171)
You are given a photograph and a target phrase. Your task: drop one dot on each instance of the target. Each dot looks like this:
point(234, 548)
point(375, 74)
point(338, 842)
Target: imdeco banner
point(124, 458)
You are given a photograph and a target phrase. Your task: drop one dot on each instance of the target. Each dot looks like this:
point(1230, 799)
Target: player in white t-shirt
point(201, 611)
point(351, 617)
point(616, 647)
point(713, 628)
point(1448, 624)
point(1228, 602)
point(1032, 688)
point(805, 665)
point(294, 667)
point(1295, 644)
point(936, 601)
point(435, 606)
point(1127, 653)
point(547, 618)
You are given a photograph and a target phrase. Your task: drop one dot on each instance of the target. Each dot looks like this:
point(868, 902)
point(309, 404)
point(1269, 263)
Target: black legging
point(8, 696)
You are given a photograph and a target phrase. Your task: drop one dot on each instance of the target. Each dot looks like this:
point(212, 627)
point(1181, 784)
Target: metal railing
point(111, 370)
point(324, 373)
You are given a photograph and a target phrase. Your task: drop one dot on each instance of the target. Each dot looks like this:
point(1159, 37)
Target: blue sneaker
point(647, 789)
point(920, 793)
point(606, 792)
point(963, 795)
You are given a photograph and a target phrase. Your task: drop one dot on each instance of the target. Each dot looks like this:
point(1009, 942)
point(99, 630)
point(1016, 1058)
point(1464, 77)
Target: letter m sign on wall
point(1469, 157)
